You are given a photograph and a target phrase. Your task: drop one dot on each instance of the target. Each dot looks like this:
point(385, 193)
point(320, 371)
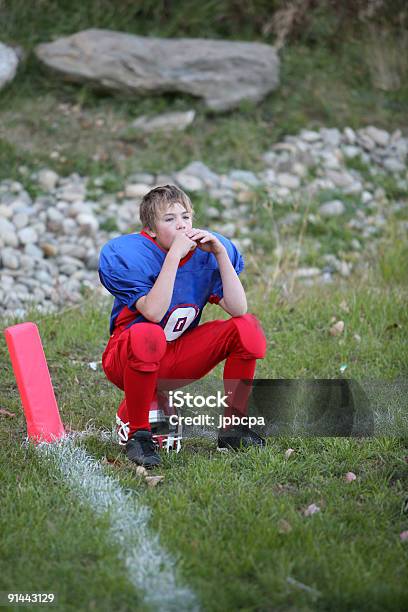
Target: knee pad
point(251, 335)
point(146, 346)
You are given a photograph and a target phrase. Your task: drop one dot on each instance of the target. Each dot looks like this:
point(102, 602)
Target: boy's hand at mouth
point(205, 241)
point(182, 245)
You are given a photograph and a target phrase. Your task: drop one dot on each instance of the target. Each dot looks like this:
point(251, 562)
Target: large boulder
point(8, 64)
point(221, 72)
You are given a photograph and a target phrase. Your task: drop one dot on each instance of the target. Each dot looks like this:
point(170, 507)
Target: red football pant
point(138, 358)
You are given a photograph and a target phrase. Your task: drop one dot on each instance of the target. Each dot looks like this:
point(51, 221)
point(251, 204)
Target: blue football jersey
point(129, 266)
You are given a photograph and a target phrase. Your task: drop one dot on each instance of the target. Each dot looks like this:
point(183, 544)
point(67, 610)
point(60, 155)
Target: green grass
point(53, 544)
point(302, 347)
point(222, 516)
point(391, 256)
point(232, 542)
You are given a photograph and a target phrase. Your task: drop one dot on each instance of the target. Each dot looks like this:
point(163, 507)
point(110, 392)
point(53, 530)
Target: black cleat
point(239, 437)
point(140, 448)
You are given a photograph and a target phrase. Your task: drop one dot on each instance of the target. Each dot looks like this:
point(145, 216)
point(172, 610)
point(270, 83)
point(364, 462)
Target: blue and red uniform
point(140, 353)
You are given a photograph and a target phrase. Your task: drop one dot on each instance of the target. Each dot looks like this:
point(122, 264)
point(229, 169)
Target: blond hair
point(158, 199)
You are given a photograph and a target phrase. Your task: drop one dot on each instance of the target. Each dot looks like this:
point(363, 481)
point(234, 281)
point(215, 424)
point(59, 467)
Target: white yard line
point(150, 568)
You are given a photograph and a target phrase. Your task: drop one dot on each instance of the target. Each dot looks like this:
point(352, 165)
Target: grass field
point(235, 522)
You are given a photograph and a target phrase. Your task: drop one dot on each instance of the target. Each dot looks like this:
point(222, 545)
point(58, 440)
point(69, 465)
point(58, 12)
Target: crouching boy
point(161, 279)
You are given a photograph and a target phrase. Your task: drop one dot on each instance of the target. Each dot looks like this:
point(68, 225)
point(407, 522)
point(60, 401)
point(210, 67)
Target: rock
point(332, 262)
point(311, 509)
point(365, 141)
point(21, 291)
point(210, 179)
point(38, 294)
point(212, 212)
point(146, 65)
point(88, 223)
point(269, 158)
point(344, 269)
point(399, 148)
point(72, 192)
point(33, 251)
point(366, 197)
point(245, 177)
point(6, 281)
point(306, 272)
point(268, 176)
point(225, 196)
point(27, 263)
point(330, 136)
point(326, 278)
point(128, 210)
point(55, 220)
point(243, 197)
point(228, 230)
point(43, 277)
point(351, 151)
point(394, 165)
point(334, 208)
point(164, 179)
point(10, 258)
point(77, 208)
point(47, 179)
point(290, 181)
point(166, 122)
point(142, 177)
point(341, 179)
point(284, 164)
point(330, 159)
point(153, 481)
point(242, 244)
point(5, 211)
point(309, 136)
point(189, 183)
point(27, 235)
point(68, 265)
point(20, 220)
point(8, 233)
point(69, 227)
point(299, 169)
point(290, 219)
point(229, 214)
point(337, 329)
point(73, 249)
point(380, 137)
point(137, 190)
point(92, 261)
point(350, 135)
point(39, 228)
point(141, 471)
point(8, 64)
point(283, 193)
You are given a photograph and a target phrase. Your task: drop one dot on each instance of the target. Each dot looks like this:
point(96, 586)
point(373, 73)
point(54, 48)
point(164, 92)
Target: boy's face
point(169, 222)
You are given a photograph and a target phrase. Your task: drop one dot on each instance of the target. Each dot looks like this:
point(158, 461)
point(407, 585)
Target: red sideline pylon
point(34, 383)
